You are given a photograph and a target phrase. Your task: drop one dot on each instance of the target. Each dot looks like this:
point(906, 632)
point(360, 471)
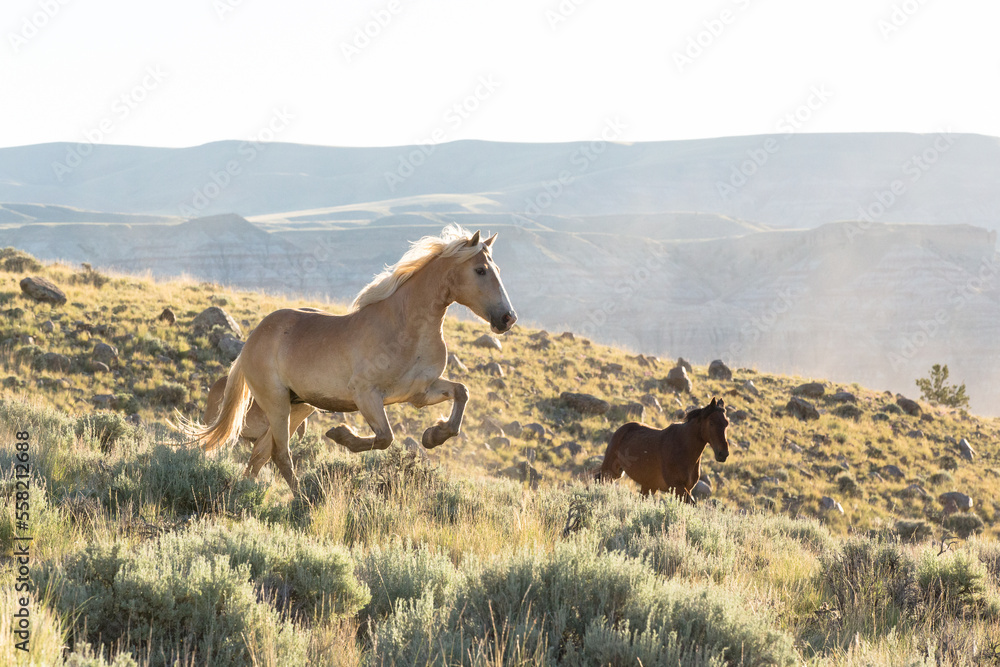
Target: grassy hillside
point(147, 551)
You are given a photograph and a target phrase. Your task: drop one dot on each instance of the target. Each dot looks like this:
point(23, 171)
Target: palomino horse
point(255, 422)
point(668, 459)
point(389, 349)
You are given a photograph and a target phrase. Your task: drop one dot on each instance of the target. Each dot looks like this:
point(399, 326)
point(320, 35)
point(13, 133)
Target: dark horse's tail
point(612, 468)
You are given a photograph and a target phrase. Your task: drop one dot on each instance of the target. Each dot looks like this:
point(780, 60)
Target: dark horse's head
point(713, 424)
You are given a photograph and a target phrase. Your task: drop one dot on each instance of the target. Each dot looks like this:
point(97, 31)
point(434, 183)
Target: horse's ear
point(714, 403)
point(474, 241)
point(722, 402)
point(489, 242)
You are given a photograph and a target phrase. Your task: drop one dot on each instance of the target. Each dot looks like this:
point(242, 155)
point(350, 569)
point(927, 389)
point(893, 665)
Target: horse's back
point(635, 448)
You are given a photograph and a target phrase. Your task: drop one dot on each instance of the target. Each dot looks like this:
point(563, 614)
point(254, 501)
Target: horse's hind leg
point(373, 410)
point(441, 390)
point(263, 450)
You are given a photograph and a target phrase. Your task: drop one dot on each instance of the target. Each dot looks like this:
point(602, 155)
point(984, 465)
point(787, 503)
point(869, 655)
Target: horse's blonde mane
point(453, 242)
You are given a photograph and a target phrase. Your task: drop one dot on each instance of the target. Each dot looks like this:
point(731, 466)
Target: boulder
point(585, 404)
point(522, 472)
point(455, 364)
point(717, 370)
point(962, 501)
point(685, 364)
point(751, 388)
point(801, 409)
point(103, 401)
point(513, 429)
point(42, 290)
point(892, 471)
point(678, 380)
point(915, 491)
point(53, 361)
point(230, 346)
point(651, 402)
point(843, 397)
point(630, 411)
point(167, 316)
point(828, 504)
point(533, 430)
point(571, 448)
point(212, 317)
point(493, 368)
point(809, 390)
point(99, 367)
point(965, 450)
point(701, 490)
point(489, 342)
point(48, 326)
point(908, 406)
point(848, 411)
point(104, 353)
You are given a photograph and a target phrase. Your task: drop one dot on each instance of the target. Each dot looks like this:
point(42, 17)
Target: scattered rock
point(513, 429)
point(701, 490)
point(612, 369)
point(915, 433)
point(809, 390)
point(629, 411)
point(908, 406)
point(167, 316)
point(103, 401)
point(533, 430)
point(230, 346)
point(915, 491)
point(489, 342)
point(828, 504)
point(646, 362)
point(965, 450)
point(685, 364)
point(522, 472)
point(499, 442)
point(455, 364)
point(843, 397)
point(848, 411)
point(212, 317)
point(962, 501)
point(99, 367)
point(567, 335)
point(585, 404)
point(651, 402)
point(494, 369)
point(53, 361)
point(104, 353)
point(678, 380)
point(801, 409)
point(892, 471)
point(572, 448)
point(717, 370)
point(751, 388)
point(48, 326)
point(43, 290)
point(491, 427)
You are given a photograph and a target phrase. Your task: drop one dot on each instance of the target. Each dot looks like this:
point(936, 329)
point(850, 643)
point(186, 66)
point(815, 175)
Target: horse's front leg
point(441, 390)
point(370, 405)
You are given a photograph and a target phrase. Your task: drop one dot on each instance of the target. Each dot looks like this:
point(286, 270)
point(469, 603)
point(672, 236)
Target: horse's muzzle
point(721, 458)
point(503, 323)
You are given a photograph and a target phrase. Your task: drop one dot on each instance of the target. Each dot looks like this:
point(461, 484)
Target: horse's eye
point(480, 271)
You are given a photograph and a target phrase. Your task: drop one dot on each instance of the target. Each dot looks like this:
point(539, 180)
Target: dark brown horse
point(668, 459)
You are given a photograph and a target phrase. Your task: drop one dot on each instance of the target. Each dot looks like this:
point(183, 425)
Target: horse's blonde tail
point(228, 424)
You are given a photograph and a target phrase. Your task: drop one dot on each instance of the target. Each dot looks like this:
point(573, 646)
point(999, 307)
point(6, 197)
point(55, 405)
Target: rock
point(678, 380)
point(651, 402)
point(965, 450)
point(809, 390)
point(489, 342)
point(843, 397)
point(828, 504)
point(513, 429)
point(230, 346)
point(167, 316)
point(499, 442)
point(572, 448)
point(104, 353)
point(103, 401)
point(701, 490)
point(490, 427)
point(498, 383)
point(751, 388)
point(48, 326)
point(42, 290)
point(848, 411)
point(717, 370)
point(99, 367)
point(915, 491)
point(455, 364)
point(612, 369)
point(53, 361)
point(915, 433)
point(802, 409)
point(493, 368)
point(911, 408)
point(585, 404)
point(647, 362)
point(892, 471)
point(962, 501)
point(629, 411)
point(567, 335)
point(212, 317)
point(522, 472)
point(533, 430)
point(685, 364)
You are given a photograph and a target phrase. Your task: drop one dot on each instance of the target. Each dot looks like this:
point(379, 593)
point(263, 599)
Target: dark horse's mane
point(701, 412)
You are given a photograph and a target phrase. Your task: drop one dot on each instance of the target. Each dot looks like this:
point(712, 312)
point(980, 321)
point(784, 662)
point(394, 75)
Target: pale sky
point(187, 72)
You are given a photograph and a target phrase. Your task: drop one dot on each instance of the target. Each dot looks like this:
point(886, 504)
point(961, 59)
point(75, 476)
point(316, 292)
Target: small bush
point(107, 428)
point(955, 580)
point(963, 524)
point(948, 462)
point(876, 581)
point(169, 394)
point(941, 477)
point(847, 485)
point(18, 261)
point(398, 573)
point(913, 531)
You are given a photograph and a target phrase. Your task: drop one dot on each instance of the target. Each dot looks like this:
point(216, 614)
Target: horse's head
point(714, 425)
point(476, 285)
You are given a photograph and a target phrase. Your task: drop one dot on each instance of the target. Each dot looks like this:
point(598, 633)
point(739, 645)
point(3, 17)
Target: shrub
point(941, 477)
point(400, 572)
point(169, 394)
point(963, 524)
point(935, 389)
point(847, 485)
point(913, 531)
point(107, 428)
point(872, 580)
point(955, 580)
point(18, 261)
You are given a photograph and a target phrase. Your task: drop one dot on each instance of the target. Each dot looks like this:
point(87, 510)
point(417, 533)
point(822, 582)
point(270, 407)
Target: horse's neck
point(692, 434)
point(422, 301)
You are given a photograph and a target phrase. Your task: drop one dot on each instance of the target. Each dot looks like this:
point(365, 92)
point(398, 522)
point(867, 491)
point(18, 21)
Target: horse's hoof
point(343, 435)
point(436, 435)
